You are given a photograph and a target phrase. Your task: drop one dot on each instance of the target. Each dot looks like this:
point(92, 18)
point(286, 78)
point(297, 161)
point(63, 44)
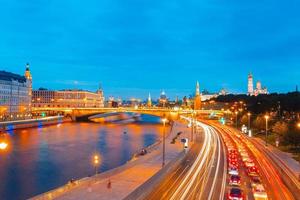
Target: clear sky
point(138, 46)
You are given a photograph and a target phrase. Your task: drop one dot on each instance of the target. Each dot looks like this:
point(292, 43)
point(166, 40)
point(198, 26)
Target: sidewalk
point(132, 175)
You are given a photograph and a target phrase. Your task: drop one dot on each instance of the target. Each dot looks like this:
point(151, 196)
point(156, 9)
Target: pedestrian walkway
point(133, 174)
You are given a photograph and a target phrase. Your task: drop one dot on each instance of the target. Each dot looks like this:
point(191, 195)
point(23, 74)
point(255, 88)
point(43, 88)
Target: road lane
point(202, 175)
point(275, 187)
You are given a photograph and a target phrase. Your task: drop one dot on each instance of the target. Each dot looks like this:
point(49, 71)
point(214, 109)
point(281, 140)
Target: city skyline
point(139, 93)
point(157, 46)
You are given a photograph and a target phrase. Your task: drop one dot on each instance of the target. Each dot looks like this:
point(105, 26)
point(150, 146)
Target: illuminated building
point(197, 99)
point(258, 90)
point(223, 92)
point(250, 84)
point(15, 94)
point(67, 98)
point(163, 100)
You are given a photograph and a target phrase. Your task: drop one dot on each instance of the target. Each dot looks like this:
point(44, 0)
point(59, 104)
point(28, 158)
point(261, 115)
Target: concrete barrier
point(287, 177)
point(150, 185)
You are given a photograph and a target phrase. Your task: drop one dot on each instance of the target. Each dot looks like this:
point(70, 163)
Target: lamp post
point(96, 161)
point(236, 119)
point(249, 120)
point(164, 120)
point(267, 118)
point(192, 127)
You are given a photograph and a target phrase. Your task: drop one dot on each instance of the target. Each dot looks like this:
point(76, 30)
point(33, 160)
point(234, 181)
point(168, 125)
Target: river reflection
point(39, 159)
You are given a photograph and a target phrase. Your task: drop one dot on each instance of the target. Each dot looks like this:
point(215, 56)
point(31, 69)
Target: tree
point(280, 128)
point(293, 135)
point(259, 122)
point(244, 119)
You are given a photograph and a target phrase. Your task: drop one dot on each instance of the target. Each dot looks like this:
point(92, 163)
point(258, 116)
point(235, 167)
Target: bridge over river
point(174, 113)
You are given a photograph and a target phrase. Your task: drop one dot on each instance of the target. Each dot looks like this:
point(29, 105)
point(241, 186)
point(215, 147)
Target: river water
point(40, 159)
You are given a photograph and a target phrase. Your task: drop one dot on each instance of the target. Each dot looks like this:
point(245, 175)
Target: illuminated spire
point(250, 84)
point(27, 72)
point(149, 103)
point(197, 89)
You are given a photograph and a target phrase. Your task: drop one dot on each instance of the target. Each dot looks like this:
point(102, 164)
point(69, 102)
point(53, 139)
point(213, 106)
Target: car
point(235, 194)
point(259, 192)
point(249, 164)
point(255, 180)
point(245, 158)
point(232, 158)
point(233, 171)
point(244, 154)
point(252, 171)
point(232, 151)
point(233, 163)
point(235, 180)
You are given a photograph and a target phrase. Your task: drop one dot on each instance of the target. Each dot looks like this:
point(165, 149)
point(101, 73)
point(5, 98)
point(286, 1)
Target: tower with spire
point(250, 84)
point(197, 99)
point(149, 102)
point(101, 96)
point(29, 86)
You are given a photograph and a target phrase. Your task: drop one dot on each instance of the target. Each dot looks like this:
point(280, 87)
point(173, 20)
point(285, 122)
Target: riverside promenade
point(120, 182)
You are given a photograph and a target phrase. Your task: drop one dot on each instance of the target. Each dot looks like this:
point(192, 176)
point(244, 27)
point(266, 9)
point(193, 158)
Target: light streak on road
point(201, 180)
point(275, 186)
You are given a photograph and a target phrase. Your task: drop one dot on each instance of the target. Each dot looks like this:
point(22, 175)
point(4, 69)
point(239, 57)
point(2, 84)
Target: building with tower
point(258, 90)
point(250, 84)
point(15, 95)
point(197, 99)
point(163, 100)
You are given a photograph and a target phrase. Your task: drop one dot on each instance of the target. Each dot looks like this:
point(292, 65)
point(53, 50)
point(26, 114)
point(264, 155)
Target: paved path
point(132, 175)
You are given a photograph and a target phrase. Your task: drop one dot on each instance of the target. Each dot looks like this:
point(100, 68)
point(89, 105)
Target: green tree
point(259, 122)
point(280, 128)
point(244, 119)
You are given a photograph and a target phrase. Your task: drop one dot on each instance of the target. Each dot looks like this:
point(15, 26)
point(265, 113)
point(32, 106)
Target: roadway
point(201, 175)
point(274, 185)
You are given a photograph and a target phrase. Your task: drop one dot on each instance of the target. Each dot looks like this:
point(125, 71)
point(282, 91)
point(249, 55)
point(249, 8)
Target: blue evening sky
point(138, 46)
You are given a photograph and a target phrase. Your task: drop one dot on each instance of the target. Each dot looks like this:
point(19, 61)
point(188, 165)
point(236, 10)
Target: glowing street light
point(3, 145)
point(267, 118)
point(236, 119)
point(96, 162)
point(164, 120)
point(298, 125)
point(249, 120)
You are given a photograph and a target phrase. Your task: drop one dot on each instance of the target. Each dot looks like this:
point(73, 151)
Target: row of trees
point(286, 131)
point(263, 103)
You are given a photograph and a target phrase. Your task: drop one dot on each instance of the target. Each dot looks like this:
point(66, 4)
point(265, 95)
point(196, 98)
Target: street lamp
point(3, 145)
point(298, 125)
point(192, 127)
point(236, 119)
point(267, 118)
point(164, 120)
point(249, 120)
point(96, 161)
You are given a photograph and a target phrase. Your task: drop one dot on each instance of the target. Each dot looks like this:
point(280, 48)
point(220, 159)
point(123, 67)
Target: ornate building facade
point(15, 95)
point(67, 98)
point(258, 90)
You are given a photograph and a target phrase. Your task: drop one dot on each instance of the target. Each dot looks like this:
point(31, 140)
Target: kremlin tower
point(149, 102)
point(197, 100)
